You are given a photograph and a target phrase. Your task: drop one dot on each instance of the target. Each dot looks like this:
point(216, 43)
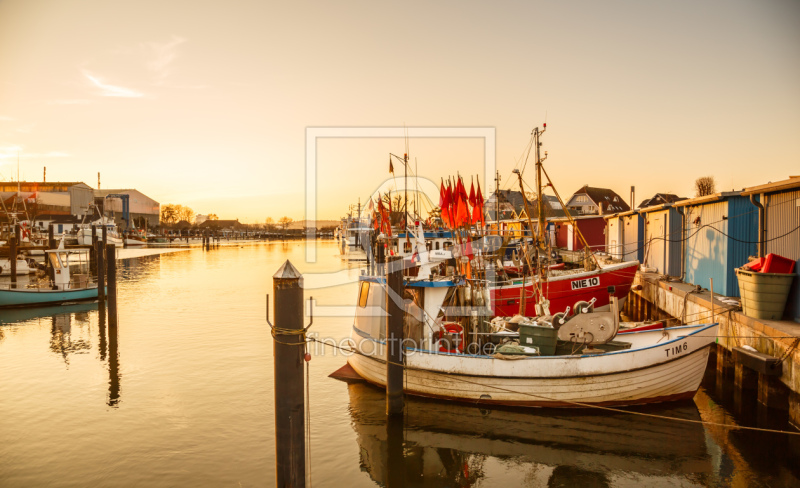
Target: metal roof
point(707, 198)
point(790, 184)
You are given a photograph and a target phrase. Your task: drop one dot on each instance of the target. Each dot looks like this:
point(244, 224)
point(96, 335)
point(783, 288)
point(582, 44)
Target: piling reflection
point(450, 444)
point(113, 366)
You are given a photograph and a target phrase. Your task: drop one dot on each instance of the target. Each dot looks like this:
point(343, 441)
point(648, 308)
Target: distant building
point(596, 201)
point(512, 204)
point(222, 225)
point(142, 208)
point(200, 218)
point(55, 198)
point(660, 199)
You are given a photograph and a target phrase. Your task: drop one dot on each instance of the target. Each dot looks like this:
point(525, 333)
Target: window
point(437, 245)
point(406, 247)
point(363, 294)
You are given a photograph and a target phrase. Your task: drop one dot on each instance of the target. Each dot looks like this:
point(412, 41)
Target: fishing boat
point(64, 287)
point(135, 238)
point(24, 267)
point(442, 360)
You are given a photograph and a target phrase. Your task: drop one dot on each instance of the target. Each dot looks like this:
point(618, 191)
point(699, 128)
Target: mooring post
point(111, 266)
point(12, 259)
point(101, 275)
point(51, 240)
point(93, 251)
point(289, 351)
point(394, 336)
point(18, 234)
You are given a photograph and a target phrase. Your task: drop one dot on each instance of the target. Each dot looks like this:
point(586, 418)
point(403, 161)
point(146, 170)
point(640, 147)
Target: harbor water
point(181, 394)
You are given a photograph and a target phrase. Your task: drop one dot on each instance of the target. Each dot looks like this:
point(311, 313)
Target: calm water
point(181, 395)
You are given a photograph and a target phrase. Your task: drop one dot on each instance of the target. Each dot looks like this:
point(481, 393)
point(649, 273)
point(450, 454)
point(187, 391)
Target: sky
point(206, 103)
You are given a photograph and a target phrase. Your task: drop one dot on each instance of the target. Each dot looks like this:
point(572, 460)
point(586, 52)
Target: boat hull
point(36, 297)
point(564, 291)
point(665, 371)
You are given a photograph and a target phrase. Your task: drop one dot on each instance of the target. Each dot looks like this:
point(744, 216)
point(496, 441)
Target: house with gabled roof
point(596, 201)
point(660, 199)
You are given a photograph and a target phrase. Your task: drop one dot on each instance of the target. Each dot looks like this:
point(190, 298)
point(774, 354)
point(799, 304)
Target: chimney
point(633, 196)
point(44, 177)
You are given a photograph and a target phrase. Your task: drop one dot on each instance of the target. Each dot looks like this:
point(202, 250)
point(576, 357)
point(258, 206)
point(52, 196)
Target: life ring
point(452, 333)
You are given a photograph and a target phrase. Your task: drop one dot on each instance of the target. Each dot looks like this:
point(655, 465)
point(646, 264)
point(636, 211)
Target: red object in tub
point(755, 265)
point(777, 264)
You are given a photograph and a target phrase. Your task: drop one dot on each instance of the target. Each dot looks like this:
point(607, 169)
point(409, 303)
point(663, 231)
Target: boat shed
point(625, 235)
point(779, 228)
point(719, 233)
point(662, 239)
point(591, 226)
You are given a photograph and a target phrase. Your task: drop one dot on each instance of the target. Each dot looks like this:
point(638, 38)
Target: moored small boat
point(65, 287)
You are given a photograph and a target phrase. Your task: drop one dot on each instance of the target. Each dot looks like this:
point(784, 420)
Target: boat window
point(54, 260)
point(406, 247)
point(363, 294)
point(437, 245)
point(447, 245)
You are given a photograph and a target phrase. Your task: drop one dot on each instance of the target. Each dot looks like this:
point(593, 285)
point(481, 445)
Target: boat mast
point(541, 243)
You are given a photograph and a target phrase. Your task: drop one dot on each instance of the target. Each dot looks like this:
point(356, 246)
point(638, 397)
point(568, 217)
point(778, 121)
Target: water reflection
point(113, 366)
point(451, 445)
point(62, 341)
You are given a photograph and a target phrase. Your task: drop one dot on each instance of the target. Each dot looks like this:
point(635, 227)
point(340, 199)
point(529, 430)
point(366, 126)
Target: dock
point(656, 296)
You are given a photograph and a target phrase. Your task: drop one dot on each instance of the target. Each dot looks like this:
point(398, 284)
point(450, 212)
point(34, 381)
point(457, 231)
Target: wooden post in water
point(111, 266)
point(101, 275)
point(51, 239)
point(93, 251)
point(289, 350)
point(12, 259)
point(394, 336)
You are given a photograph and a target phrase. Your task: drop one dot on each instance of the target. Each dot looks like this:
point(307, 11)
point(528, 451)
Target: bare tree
point(704, 185)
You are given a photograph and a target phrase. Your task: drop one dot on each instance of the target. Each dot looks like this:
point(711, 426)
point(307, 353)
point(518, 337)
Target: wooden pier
point(771, 373)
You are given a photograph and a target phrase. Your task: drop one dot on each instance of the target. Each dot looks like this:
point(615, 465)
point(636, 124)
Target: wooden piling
point(12, 259)
point(101, 275)
point(93, 251)
point(111, 271)
point(394, 336)
point(289, 350)
point(51, 239)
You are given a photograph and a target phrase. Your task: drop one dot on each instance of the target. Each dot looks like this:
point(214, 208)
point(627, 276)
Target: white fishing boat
point(445, 361)
point(112, 235)
point(23, 267)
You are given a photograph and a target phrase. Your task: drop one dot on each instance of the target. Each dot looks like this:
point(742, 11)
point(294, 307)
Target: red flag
point(477, 210)
point(449, 205)
point(472, 194)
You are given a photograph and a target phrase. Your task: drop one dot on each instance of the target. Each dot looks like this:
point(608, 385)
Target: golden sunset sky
point(206, 103)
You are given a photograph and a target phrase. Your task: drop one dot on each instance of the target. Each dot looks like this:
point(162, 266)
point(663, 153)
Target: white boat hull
point(671, 369)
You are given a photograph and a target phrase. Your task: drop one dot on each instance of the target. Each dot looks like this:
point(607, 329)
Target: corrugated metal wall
point(633, 237)
point(655, 232)
point(706, 245)
point(674, 243)
point(80, 198)
point(783, 217)
point(743, 242)
point(614, 242)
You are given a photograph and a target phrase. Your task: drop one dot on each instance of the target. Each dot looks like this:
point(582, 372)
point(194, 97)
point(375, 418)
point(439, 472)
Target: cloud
point(163, 56)
point(111, 90)
point(27, 128)
point(4, 118)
